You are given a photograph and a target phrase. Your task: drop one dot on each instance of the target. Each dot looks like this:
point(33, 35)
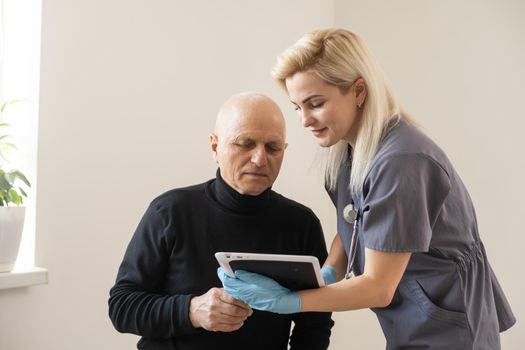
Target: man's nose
point(259, 157)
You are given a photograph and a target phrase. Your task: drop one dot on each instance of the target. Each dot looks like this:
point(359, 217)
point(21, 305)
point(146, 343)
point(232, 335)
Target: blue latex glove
point(260, 292)
point(329, 275)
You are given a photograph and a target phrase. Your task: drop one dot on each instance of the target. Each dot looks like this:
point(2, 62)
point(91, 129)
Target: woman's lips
point(318, 132)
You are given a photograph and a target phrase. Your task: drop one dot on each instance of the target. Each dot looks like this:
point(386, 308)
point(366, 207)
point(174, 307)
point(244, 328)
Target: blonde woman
point(407, 228)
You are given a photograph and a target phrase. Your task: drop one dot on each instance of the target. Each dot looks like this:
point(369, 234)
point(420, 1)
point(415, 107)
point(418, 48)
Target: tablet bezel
point(224, 259)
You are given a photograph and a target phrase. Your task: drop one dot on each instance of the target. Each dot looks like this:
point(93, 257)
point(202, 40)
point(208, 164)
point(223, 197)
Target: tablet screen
point(295, 272)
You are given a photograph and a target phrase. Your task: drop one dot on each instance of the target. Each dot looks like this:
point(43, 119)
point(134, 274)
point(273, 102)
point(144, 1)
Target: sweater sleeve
point(137, 303)
point(312, 330)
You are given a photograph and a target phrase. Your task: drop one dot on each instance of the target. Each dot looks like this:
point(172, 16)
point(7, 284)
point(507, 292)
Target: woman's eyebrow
point(311, 97)
point(308, 98)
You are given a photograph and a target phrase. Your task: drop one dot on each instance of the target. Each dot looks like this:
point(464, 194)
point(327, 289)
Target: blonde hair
point(340, 57)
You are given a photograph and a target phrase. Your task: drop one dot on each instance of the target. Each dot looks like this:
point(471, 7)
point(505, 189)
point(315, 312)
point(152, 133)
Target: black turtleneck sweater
point(170, 259)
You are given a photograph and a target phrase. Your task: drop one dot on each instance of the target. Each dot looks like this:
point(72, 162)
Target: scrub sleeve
point(402, 205)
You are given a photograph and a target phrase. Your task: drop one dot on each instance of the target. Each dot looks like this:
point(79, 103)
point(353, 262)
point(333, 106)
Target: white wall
point(458, 67)
point(129, 92)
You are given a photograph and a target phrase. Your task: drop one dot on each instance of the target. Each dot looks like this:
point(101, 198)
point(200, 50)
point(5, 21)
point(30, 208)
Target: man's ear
point(360, 91)
point(213, 145)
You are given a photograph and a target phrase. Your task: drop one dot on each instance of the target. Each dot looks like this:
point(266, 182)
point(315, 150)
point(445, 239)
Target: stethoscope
point(352, 217)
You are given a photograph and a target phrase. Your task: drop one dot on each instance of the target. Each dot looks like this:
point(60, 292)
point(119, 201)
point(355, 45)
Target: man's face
point(249, 147)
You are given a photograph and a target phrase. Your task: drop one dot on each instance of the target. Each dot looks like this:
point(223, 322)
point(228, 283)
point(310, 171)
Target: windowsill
point(23, 278)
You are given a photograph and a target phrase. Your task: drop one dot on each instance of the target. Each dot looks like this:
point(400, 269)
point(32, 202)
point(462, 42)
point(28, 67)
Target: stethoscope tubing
point(352, 217)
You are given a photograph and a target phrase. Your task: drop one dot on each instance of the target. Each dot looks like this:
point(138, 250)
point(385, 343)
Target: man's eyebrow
point(275, 142)
point(241, 138)
point(245, 138)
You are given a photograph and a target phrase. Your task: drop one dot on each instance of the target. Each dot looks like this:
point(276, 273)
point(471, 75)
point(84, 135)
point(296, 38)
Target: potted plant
point(12, 194)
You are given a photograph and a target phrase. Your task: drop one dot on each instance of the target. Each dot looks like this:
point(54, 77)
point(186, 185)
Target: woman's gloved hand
point(260, 292)
point(329, 274)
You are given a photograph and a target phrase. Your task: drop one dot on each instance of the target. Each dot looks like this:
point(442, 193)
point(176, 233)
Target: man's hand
point(217, 311)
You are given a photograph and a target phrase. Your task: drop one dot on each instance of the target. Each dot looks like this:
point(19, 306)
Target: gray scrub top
point(414, 201)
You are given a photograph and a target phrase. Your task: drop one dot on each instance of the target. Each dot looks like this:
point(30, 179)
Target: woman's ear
point(360, 92)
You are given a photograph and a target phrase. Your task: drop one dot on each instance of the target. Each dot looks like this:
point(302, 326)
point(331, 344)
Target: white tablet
point(295, 272)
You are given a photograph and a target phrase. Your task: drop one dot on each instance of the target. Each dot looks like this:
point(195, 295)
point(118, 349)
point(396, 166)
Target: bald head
point(249, 108)
point(249, 141)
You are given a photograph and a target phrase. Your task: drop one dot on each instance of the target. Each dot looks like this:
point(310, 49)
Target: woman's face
point(328, 113)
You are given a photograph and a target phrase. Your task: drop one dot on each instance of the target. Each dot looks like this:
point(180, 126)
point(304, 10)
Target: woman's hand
point(337, 259)
point(260, 292)
point(329, 274)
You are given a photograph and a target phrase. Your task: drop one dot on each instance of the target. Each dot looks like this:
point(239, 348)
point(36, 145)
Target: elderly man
point(167, 290)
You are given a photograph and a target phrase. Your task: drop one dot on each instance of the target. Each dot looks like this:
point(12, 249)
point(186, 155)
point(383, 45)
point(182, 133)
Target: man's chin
point(253, 190)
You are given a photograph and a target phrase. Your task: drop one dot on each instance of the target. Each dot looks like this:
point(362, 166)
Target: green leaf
point(13, 197)
point(10, 178)
point(7, 145)
point(4, 105)
point(4, 184)
point(3, 157)
point(10, 102)
point(17, 174)
point(8, 193)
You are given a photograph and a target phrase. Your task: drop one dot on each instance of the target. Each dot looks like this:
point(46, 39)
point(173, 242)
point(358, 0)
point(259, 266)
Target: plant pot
point(11, 227)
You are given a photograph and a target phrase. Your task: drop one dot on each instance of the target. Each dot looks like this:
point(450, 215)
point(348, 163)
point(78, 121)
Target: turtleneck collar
point(232, 200)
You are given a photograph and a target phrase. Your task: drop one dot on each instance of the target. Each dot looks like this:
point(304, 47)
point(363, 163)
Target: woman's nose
point(306, 118)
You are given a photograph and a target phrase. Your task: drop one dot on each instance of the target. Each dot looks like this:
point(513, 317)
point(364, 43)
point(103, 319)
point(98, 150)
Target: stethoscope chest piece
point(349, 213)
